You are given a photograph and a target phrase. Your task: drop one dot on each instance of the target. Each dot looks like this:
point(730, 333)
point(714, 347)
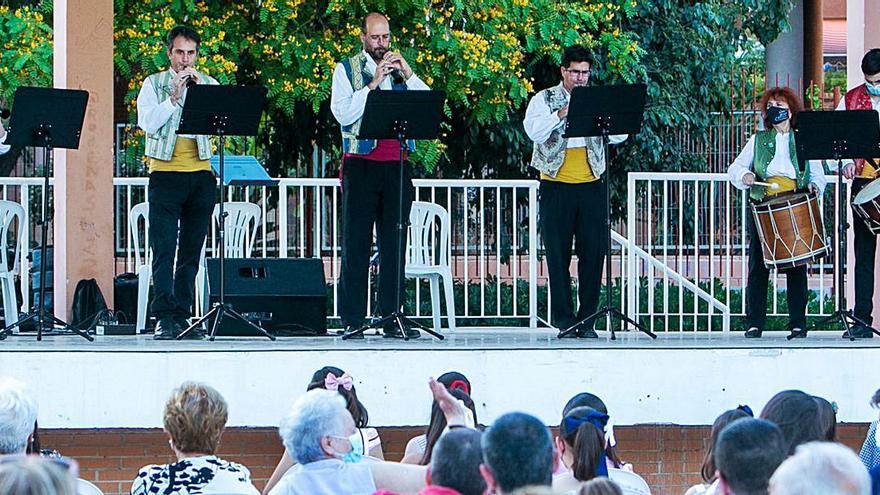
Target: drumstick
point(766, 184)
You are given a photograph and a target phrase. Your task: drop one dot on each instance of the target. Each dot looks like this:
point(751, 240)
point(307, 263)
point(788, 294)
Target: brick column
point(83, 193)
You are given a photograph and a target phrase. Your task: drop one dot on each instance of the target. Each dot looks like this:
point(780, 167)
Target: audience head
point(456, 462)
point(827, 418)
point(747, 452)
point(318, 427)
point(600, 486)
point(709, 468)
point(33, 475)
point(871, 64)
point(453, 380)
point(334, 379)
point(821, 468)
point(590, 400)
point(517, 452)
point(797, 415)
point(581, 443)
point(18, 415)
point(438, 422)
point(195, 416)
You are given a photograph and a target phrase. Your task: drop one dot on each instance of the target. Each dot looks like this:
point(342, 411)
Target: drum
point(867, 205)
point(791, 230)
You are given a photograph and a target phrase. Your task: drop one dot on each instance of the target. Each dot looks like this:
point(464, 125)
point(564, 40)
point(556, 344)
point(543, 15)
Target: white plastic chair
point(85, 487)
point(242, 220)
point(423, 247)
point(9, 212)
point(143, 267)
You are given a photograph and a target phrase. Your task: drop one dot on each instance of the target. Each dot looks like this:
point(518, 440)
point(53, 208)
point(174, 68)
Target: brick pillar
point(83, 194)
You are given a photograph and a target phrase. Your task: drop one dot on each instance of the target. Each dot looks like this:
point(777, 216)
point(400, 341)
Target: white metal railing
point(694, 225)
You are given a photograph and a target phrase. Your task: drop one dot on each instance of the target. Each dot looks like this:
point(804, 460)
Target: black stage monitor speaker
point(285, 296)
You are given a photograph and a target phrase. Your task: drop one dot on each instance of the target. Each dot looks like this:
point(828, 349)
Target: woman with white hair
point(821, 468)
point(18, 414)
point(321, 437)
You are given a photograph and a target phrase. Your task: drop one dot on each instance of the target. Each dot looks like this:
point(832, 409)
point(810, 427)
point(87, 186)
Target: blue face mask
point(357, 447)
point(872, 89)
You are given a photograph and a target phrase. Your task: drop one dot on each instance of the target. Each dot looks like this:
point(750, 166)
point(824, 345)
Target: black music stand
point(839, 135)
point(400, 115)
point(222, 111)
point(601, 111)
point(47, 118)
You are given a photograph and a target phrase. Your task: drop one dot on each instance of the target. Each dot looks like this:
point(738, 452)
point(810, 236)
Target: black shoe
point(393, 332)
point(797, 333)
point(860, 332)
point(197, 333)
point(570, 335)
point(585, 331)
point(754, 333)
point(350, 330)
point(166, 329)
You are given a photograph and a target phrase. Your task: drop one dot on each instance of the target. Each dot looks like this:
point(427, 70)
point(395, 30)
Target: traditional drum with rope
point(791, 230)
point(867, 205)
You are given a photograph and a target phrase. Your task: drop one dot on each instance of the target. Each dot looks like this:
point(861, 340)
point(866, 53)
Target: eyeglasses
point(582, 73)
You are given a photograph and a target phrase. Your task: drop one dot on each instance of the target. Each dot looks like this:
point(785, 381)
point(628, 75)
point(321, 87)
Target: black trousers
point(181, 204)
point(573, 212)
point(865, 247)
point(756, 289)
point(371, 195)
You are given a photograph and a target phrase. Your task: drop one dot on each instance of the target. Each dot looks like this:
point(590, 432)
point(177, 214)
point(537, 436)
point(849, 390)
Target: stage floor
point(681, 378)
point(464, 339)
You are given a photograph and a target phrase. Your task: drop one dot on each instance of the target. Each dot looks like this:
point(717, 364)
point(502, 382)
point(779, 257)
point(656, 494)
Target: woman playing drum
point(770, 157)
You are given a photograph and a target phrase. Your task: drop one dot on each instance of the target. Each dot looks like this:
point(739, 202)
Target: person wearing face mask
point(370, 173)
point(572, 194)
point(863, 97)
point(182, 187)
point(321, 437)
point(770, 156)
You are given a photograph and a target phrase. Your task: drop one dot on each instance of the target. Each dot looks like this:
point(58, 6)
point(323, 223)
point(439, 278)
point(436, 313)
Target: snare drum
point(791, 230)
point(867, 205)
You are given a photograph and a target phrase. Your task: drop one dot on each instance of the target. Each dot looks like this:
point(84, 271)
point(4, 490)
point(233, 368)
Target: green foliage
point(25, 47)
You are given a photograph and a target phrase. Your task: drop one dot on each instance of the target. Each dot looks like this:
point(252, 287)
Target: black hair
point(827, 418)
point(586, 442)
point(355, 407)
point(590, 400)
point(438, 423)
point(518, 450)
point(185, 31)
point(797, 415)
point(454, 379)
point(709, 467)
point(871, 62)
point(456, 462)
point(576, 53)
point(747, 453)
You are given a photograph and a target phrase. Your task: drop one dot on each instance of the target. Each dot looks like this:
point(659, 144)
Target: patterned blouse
point(194, 476)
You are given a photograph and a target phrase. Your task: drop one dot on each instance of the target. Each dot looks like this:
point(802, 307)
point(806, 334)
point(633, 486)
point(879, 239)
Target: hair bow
point(333, 383)
point(460, 385)
point(597, 419)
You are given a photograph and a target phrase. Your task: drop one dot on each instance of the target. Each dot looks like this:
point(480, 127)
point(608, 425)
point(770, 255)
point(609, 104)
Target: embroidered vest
point(358, 76)
point(765, 150)
point(858, 99)
point(161, 144)
point(547, 157)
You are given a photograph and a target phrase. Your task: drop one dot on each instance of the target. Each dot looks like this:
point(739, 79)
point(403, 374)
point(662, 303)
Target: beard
point(377, 53)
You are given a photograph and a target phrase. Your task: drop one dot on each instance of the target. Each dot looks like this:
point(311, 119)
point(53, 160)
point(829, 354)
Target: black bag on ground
point(125, 297)
point(88, 302)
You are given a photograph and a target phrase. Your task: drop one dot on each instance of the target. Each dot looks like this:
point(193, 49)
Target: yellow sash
point(184, 159)
point(868, 170)
point(785, 185)
point(575, 168)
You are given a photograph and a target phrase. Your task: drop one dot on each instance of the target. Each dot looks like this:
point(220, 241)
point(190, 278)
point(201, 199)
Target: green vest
point(161, 144)
point(765, 150)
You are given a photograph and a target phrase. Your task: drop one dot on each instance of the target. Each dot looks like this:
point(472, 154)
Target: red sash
point(858, 99)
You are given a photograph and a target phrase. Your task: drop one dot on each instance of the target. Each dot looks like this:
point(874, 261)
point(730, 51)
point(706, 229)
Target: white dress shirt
point(540, 123)
point(832, 164)
point(780, 165)
point(4, 148)
point(347, 104)
point(153, 113)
